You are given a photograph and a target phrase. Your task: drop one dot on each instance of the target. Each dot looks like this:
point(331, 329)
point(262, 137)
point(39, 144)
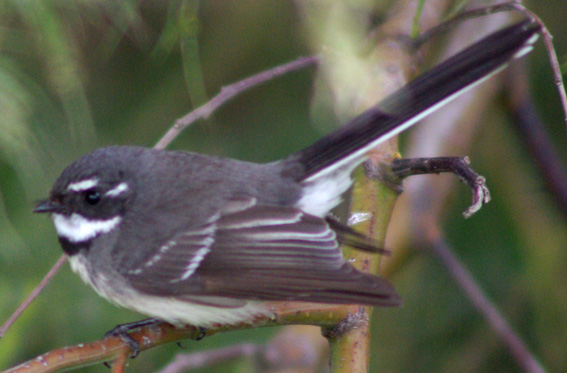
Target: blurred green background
point(77, 75)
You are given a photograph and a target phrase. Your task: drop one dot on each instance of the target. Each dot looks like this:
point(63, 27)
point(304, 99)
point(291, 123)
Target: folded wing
point(260, 252)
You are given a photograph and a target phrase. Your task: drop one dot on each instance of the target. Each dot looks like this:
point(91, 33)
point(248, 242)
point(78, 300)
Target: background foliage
point(77, 75)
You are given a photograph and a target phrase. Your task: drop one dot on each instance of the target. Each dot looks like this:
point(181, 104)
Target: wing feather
point(262, 252)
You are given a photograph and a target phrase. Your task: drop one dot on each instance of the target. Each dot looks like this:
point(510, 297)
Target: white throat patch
point(77, 228)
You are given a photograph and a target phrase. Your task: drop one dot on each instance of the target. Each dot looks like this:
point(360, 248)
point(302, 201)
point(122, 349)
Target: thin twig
point(532, 131)
point(38, 289)
point(443, 27)
point(555, 67)
point(292, 349)
point(110, 348)
point(119, 364)
point(229, 92)
point(512, 5)
point(481, 302)
point(186, 362)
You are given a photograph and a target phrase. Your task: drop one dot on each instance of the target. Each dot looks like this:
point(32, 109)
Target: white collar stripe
point(77, 228)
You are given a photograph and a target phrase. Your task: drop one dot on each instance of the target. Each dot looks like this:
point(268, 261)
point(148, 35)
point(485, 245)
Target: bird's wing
point(262, 252)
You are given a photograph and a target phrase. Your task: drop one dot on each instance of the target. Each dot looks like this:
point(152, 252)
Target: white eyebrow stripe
point(119, 189)
point(83, 185)
point(77, 228)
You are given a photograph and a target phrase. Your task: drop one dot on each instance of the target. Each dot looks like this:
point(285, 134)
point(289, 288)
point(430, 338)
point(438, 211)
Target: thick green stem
point(374, 202)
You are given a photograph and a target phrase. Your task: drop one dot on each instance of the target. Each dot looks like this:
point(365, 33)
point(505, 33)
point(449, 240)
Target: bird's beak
point(47, 206)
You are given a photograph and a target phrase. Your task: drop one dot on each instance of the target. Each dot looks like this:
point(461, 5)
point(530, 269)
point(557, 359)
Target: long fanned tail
point(348, 145)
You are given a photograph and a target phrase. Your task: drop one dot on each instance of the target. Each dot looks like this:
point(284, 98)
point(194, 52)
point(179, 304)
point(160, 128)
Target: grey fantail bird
point(190, 238)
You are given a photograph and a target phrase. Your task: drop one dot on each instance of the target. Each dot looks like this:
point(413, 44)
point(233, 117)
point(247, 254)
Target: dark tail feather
point(414, 101)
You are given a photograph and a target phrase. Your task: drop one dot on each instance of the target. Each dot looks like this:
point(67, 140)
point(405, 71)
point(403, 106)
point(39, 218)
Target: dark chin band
point(73, 248)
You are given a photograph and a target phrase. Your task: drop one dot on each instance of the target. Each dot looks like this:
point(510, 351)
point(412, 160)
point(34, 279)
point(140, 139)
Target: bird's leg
point(123, 331)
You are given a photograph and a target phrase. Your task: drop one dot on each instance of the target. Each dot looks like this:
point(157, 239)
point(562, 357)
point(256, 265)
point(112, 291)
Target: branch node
point(350, 322)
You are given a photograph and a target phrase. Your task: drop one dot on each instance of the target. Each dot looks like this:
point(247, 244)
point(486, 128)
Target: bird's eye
point(92, 197)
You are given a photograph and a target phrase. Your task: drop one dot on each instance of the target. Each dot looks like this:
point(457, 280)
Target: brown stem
point(114, 347)
point(38, 289)
point(231, 91)
point(484, 306)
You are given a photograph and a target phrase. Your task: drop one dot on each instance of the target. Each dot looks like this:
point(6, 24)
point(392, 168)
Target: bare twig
point(555, 67)
point(443, 27)
point(533, 133)
point(148, 337)
point(229, 92)
point(289, 350)
point(186, 362)
point(460, 167)
point(484, 306)
point(119, 364)
point(38, 289)
point(503, 7)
